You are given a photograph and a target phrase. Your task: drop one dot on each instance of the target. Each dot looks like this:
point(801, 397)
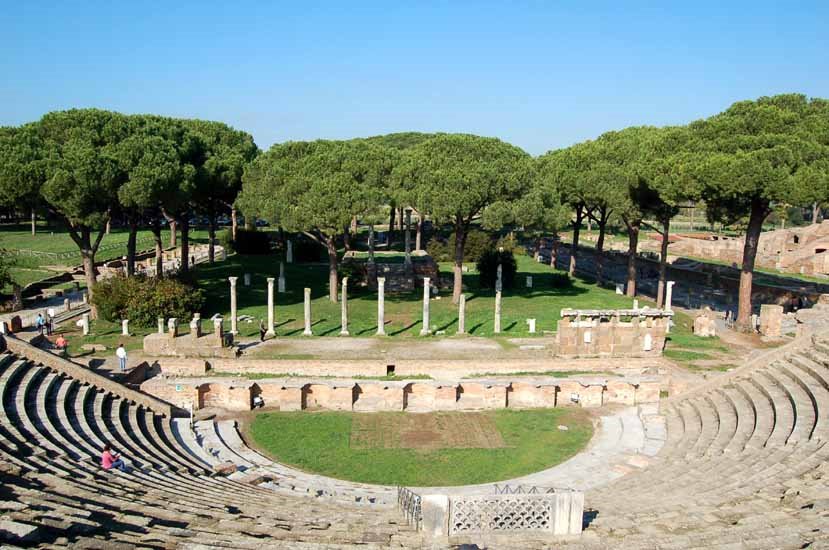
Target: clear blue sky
point(541, 75)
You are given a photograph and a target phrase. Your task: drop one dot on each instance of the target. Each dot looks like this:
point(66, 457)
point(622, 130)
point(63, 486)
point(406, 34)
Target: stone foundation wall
point(612, 333)
point(371, 396)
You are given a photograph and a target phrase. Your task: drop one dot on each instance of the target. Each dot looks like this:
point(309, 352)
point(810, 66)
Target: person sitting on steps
point(110, 460)
point(61, 343)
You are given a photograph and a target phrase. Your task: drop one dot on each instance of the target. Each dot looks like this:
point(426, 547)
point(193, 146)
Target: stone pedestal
point(195, 328)
point(172, 327)
point(289, 252)
point(161, 325)
point(247, 279)
point(307, 331)
point(85, 324)
point(125, 327)
point(529, 281)
point(233, 328)
point(497, 329)
point(270, 331)
point(531, 326)
point(218, 333)
point(85, 297)
point(462, 314)
point(771, 320)
point(425, 330)
point(381, 304)
point(281, 280)
point(344, 308)
point(67, 305)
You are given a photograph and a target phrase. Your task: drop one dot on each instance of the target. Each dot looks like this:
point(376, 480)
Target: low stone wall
point(83, 374)
point(412, 396)
point(612, 333)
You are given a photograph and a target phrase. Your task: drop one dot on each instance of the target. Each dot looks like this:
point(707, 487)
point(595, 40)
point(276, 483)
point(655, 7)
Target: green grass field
point(323, 443)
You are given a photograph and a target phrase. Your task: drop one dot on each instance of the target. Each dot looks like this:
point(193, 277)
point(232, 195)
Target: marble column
point(172, 327)
point(462, 314)
point(408, 239)
point(425, 330)
point(233, 328)
point(499, 285)
point(497, 312)
point(289, 252)
point(125, 327)
point(344, 308)
point(247, 279)
point(161, 325)
point(381, 304)
point(669, 291)
point(307, 331)
point(281, 282)
point(419, 232)
point(271, 331)
point(85, 324)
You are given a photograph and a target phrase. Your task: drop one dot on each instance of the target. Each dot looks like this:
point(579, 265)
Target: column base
point(307, 333)
point(270, 333)
point(380, 333)
point(425, 332)
point(344, 333)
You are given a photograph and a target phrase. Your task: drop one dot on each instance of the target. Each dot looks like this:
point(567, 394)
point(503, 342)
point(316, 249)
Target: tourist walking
point(121, 354)
point(40, 323)
point(110, 460)
point(262, 330)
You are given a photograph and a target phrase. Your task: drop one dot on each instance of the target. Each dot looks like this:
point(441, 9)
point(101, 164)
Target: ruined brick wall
point(612, 333)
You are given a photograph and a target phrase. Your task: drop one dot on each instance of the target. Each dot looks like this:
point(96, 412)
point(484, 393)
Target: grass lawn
point(402, 311)
point(381, 450)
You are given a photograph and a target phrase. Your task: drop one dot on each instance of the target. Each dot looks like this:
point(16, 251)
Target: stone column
point(289, 252)
point(67, 304)
point(85, 297)
point(233, 329)
point(381, 314)
point(247, 279)
point(281, 283)
point(529, 281)
point(307, 331)
point(125, 327)
point(531, 326)
point(172, 327)
point(499, 285)
point(408, 239)
point(271, 331)
point(161, 325)
point(85, 324)
point(462, 314)
point(497, 312)
point(425, 330)
point(218, 332)
point(344, 308)
point(668, 295)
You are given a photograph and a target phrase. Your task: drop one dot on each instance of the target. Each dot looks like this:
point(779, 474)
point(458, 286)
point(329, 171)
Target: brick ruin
point(612, 333)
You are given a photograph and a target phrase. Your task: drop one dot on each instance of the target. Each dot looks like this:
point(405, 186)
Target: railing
point(69, 254)
point(409, 504)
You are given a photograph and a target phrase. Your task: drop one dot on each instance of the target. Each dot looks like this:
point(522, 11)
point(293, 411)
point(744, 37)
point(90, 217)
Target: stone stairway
point(54, 493)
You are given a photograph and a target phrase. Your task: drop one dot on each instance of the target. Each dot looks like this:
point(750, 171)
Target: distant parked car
point(262, 223)
point(223, 220)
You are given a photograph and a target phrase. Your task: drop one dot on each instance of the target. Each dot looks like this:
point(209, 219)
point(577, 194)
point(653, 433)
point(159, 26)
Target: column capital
point(271, 280)
point(233, 280)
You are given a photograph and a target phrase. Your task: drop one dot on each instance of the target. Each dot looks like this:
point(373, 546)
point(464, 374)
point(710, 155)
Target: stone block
point(333, 398)
point(435, 512)
point(225, 468)
point(528, 396)
point(281, 395)
point(592, 396)
point(771, 320)
point(373, 397)
point(620, 392)
point(472, 395)
point(647, 392)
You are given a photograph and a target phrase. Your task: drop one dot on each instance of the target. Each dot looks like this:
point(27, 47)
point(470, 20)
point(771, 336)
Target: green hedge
point(143, 300)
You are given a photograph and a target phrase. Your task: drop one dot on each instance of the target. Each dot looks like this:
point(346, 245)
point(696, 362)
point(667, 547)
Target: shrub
point(477, 242)
point(251, 241)
point(560, 280)
point(307, 250)
point(510, 244)
point(142, 300)
point(225, 238)
point(488, 268)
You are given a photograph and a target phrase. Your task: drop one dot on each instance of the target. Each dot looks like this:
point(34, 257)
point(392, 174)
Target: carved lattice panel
point(502, 513)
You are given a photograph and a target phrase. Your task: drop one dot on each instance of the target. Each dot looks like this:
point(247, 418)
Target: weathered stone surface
point(771, 320)
point(225, 468)
point(612, 333)
point(704, 324)
point(527, 396)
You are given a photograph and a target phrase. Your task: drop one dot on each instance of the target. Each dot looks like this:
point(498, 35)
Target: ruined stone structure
point(612, 333)
point(796, 250)
point(194, 344)
point(293, 394)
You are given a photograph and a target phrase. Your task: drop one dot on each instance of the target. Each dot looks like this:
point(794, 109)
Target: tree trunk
point(159, 247)
point(211, 239)
point(554, 251)
point(131, 248)
point(392, 212)
point(419, 232)
point(234, 223)
point(401, 219)
point(108, 226)
point(600, 251)
point(815, 214)
point(34, 222)
point(575, 247)
point(185, 243)
point(663, 263)
point(173, 232)
point(331, 245)
point(460, 244)
point(354, 225)
point(633, 243)
point(347, 238)
point(759, 211)
point(248, 223)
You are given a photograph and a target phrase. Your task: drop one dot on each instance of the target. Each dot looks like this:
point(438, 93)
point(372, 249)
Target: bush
point(250, 241)
point(225, 238)
point(142, 300)
point(561, 280)
point(306, 250)
point(488, 268)
point(510, 244)
point(477, 242)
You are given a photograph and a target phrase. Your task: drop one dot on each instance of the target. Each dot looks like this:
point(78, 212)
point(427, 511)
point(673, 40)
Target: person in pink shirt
point(110, 460)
